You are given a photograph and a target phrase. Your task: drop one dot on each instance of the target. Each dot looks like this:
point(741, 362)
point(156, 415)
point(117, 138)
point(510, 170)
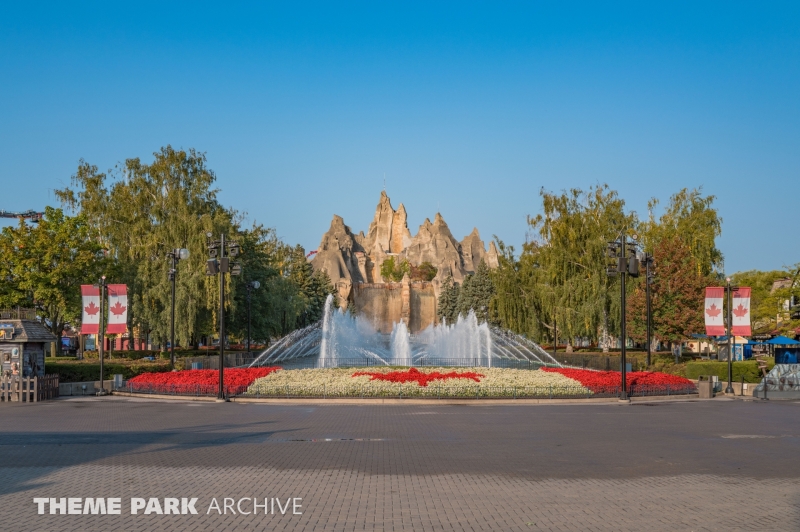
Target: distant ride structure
point(33, 216)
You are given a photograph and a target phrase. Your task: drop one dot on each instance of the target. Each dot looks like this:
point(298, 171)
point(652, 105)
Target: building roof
point(28, 331)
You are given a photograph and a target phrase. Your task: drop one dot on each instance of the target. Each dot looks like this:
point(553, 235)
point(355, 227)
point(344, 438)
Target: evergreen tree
point(476, 294)
point(447, 308)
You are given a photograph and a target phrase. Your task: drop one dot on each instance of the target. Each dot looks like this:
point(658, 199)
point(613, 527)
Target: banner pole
point(729, 389)
point(100, 335)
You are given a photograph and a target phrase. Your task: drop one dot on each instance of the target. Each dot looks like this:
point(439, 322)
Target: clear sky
point(469, 108)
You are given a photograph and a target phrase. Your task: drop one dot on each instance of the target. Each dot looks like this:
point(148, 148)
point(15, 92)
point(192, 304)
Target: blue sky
point(468, 107)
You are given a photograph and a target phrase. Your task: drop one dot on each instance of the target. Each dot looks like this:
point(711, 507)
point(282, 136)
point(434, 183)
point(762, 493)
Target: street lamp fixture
point(627, 264)
point(101, 330)
point(730, 290)
point(219, 252)
point(176, 255)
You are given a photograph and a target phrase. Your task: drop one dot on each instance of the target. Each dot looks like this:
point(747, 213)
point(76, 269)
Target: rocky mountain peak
point(349, 258)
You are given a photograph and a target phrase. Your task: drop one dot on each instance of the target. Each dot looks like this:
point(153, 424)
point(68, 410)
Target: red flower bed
point(414, 375)
point(605, 380)
point(197, 381)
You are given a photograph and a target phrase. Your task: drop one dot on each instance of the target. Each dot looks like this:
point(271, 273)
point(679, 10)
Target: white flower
point(339, 382)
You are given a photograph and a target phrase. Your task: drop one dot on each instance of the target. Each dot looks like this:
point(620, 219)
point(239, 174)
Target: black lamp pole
point(101, 333)
point(623, 267)
point(249, 298)
point(223, 266)
point(172, 273)
point(219, 264)
point(626, 265)
point(729, 289)
point(175, 255)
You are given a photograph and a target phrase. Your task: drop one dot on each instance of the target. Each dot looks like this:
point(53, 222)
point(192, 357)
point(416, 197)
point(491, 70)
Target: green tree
point(312, 289)
point(44, 265)
point(447, 307)
point(677, 296)
point(143, 212)
point(393, 270)
point(768, 301)
point(693, 218)
point(263, 256)
point(476, 294)
point(517, 304)
point(568, 256)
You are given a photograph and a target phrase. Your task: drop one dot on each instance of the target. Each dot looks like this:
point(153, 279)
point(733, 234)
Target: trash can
point(197, 365)
point(705, 387)
point(118, 380)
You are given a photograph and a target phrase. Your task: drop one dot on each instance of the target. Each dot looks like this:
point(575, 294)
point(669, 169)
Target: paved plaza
point(697, 465)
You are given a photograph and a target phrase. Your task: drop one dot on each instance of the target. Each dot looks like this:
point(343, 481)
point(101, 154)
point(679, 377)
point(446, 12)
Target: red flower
point(414, 375)
point(202, 380)
point(603, 380)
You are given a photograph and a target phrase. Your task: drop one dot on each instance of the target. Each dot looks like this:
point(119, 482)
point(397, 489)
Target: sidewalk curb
point(429, 402)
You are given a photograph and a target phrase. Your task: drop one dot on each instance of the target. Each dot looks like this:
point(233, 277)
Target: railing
point(18, 313)
point(28, 389)
point(232, 360)
point(312, 363)
point(598, 362)
point(432, 391)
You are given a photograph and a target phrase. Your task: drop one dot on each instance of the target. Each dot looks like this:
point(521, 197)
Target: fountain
point(340, 339)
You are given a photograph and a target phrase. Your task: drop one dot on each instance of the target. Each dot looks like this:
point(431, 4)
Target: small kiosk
point(22, 346)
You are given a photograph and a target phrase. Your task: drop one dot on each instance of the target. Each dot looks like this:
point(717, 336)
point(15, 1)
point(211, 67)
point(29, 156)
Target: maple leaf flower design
point(713, 311)
point(91, 309)
point(117, 309)
point(740, 311)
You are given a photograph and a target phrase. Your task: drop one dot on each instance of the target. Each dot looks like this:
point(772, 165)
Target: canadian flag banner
point(740, 324)
point(715, 325)
point(117, 309)
point(90, 320)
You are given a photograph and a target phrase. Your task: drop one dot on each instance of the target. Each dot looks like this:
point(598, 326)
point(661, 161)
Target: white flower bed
point(339, 382)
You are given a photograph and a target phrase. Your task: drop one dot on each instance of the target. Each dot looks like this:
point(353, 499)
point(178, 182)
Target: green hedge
point(746, 368)
point(79, 372)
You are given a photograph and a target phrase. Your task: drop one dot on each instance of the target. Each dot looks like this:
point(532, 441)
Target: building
point(22, 347)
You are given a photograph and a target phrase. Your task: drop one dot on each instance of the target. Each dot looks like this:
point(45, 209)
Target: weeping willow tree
point(139, 214)
point(559, 285)
point(692, 218)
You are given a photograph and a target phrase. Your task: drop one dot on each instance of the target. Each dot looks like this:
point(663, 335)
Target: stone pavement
point(703, 465)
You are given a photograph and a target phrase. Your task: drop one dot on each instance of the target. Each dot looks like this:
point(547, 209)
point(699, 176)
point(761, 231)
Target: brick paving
point(709, 465)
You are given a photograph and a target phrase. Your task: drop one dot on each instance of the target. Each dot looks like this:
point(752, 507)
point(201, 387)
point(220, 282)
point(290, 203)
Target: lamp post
point(100, 333)
point(252, 285)
point(730, 289)
point(175, 255)
point(220, 264)
point(627, 263)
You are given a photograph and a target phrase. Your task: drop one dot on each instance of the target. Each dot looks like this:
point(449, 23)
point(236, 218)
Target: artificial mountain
point(350, 258)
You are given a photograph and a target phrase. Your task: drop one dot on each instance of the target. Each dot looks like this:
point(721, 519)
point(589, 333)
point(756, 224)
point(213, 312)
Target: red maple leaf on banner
point(117, 309)
point(740, 311)
point(92, 309)
point(713, 311)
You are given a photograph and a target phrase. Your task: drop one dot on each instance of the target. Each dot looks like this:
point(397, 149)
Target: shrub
point(747, 369)
point(80, 372)
point(392, 271)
